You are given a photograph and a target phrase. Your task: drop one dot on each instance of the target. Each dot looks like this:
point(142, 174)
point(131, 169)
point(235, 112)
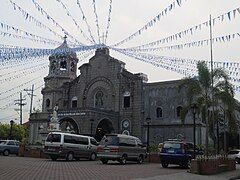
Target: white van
point(70, 146)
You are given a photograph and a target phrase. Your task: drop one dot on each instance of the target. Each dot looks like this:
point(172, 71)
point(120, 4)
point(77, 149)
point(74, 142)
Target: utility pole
point(20, 103)
point(213, 101)
point(31, 96)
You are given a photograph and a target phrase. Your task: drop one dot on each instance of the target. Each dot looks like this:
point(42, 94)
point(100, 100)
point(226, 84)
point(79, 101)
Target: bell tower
point(62, 69)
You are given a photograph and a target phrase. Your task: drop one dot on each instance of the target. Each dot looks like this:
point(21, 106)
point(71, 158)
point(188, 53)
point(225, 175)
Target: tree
point(199, 90)
point(18, 131)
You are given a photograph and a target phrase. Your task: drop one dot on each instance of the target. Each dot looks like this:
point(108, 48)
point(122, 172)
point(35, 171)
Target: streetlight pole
point(194, 109)
point(11, 125)
point(148, 120)
point(91, 120)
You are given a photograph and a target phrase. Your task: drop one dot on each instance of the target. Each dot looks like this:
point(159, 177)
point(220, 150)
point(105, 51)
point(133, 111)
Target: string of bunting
point(96, 20)
point(18, 86)
point(29, 17)
point(24, 73)
point(233, 68)
point(85, 20)
point(16, 92)
point(28, 34)
point(18, 53)
point(152, 22)
point(13, 103)
point(190, 31)
point(75, 22)
point(198, 43)
point(44, 13)
point(23, 69)
point(174, 65)
point(108, 20)
point(18, 63)
point(45, 41)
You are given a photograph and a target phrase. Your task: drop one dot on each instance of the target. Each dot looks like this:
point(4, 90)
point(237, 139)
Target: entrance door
point(104, 127)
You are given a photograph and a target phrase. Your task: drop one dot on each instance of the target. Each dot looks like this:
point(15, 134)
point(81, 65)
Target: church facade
point(106, 98)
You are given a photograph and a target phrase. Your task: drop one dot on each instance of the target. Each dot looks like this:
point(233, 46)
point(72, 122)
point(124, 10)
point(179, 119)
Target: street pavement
point(22, 168)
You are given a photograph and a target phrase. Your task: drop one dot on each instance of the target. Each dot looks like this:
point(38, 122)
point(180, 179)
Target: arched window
point(126, 99)
point(179, 111)
point(53, 66)
point(72, 66)
point(159, 112)
point(47, 103)
point(98, 99)
point(63, 65)
point(74, 102)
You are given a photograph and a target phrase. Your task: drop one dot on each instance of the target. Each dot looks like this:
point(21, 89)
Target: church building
point(106, 98)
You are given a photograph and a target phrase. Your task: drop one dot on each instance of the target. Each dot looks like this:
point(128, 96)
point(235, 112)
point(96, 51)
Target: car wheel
point(54, 158)
point(93, 157)
point(6, 152)
point(69, 156)
point(104, 161)
point(164, 164)
point(123, 160)
point(140, 159)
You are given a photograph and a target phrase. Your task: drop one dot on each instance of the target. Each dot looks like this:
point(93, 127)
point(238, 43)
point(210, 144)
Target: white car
point(234, 154)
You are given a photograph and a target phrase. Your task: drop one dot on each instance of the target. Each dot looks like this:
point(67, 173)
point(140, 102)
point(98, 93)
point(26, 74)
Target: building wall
point(108, 75)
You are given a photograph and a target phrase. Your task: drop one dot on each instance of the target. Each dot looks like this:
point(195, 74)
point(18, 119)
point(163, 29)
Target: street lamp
point(194, 109)
point(11, 125)
point(91, 121)
point(148, 120)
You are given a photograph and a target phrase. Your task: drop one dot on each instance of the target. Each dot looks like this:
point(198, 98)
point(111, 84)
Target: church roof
point(65, 46)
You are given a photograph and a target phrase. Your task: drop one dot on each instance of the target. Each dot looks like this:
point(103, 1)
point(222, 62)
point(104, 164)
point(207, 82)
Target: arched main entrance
point(68, 124)
point(104, 127)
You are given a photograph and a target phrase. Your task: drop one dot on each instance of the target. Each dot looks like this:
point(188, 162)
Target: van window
point(109, 140)
point(54, 138)
point(127, 142)
point(82, 140)
point(69, 139)
point(75, 140)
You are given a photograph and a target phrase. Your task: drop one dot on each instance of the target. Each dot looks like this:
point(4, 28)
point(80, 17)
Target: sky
point(127, 17)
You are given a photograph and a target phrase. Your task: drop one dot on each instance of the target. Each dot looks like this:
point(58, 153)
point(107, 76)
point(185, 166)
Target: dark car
point(177, 152)
point(9, 147)
point(121, 148)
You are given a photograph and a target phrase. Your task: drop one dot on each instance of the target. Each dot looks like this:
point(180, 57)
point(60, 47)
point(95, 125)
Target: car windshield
point(110, 140)
point(173, 145)
point(2, 142)
point(54, 138)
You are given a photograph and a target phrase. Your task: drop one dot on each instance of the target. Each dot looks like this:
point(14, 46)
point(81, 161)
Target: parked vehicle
point(122, 148)
point(9, 147)
point(234, 154)
point(70, 146)
point(177, 152)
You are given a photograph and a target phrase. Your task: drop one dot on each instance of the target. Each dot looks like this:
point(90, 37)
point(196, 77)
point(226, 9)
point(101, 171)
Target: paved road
point(21, 168)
